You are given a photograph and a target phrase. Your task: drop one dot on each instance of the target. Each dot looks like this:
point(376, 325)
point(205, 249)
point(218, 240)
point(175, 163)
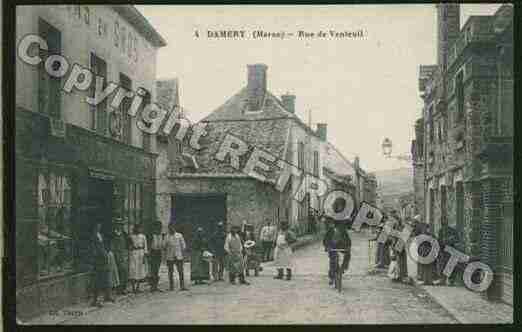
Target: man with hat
point(174, 253)
point(337, 237)
point(234, 249)
point(217, 244)
point(120, 249)
point(156, 246)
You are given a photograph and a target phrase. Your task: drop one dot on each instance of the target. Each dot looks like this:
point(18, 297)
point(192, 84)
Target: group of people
point(120, 259)
point(394, 258)
point(389, 255)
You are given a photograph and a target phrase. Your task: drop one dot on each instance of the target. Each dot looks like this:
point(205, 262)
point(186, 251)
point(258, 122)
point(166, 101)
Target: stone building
point(215, 190)
point(467, 135)
point(78, 164)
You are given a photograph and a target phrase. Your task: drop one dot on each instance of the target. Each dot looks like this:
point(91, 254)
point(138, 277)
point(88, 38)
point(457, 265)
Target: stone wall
point(247, 198)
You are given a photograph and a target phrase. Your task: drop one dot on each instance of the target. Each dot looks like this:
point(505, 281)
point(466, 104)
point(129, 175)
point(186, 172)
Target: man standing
point(120, 249)
point(266, 241)
point(174, 246)
point(155, 256)
point(337, 237)
point(218, 249)
point(101, 268)
point(234, 248)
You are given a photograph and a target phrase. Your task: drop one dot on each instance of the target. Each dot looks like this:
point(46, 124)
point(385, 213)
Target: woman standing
point(402, 257)
point(283, 252)
point(137, 263)
point(199, 267)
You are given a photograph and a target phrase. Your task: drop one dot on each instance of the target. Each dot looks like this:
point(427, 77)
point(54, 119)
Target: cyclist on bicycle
point(337, 237)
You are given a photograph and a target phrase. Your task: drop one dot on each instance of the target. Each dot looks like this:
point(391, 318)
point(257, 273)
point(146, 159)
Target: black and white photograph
point(347, 164)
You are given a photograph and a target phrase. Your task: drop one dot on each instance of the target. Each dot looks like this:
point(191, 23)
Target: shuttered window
point(49, 88)
point(126, 83)
point(98, 112)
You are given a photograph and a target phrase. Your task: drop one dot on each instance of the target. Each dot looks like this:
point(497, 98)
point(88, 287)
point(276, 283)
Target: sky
point(365, 89)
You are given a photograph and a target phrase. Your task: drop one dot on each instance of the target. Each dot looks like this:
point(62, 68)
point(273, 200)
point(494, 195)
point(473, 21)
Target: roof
point(138, 21)
point(267, 134)
point(235, 109)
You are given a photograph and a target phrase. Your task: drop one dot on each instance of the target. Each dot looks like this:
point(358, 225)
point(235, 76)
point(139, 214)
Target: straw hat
point(249, 244)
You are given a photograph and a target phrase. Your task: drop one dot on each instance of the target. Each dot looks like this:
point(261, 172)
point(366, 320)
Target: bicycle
point(338, 280)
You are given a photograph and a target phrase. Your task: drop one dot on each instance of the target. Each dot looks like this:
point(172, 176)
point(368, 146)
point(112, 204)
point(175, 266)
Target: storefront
point(67, 179)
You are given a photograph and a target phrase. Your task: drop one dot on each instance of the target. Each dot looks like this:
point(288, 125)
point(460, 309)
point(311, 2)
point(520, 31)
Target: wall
point(79, 39)
point(311, 143)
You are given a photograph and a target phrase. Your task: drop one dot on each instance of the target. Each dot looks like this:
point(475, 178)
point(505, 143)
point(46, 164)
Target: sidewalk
point(469, 307)
point(82, 309)
point(466, 306)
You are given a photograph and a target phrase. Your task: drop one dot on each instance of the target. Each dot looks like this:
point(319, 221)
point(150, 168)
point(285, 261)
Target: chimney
point(322, 130)
point(288, 101)
point(256, 86)
point(448, 28)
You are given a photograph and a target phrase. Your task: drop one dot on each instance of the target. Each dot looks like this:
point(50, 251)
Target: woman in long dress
point(283, 252)
point(137, 263)
point(199, 267)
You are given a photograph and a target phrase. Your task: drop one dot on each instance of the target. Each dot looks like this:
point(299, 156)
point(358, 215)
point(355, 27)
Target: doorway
point(99, 202)
point(198, 210)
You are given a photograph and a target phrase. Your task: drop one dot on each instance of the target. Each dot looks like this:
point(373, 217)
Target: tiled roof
point(269, 135)
point(235, 108)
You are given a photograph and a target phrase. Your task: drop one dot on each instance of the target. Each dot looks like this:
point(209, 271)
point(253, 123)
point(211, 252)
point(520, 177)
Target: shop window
point(49, 88)
point(55, 253)
point(98, 112)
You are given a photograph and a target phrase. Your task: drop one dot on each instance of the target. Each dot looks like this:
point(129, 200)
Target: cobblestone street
point(307, 299)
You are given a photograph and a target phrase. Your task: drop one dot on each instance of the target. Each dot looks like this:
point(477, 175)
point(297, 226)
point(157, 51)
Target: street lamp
point(387, 150)
point(387, 147)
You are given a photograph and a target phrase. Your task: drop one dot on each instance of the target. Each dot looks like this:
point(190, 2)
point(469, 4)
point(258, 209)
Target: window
point(126, 83)
point(54, 224)
point(505, 103)
point(49, 88)
point(431, 129)
point(147, 136)
point(316, 164)
point(98, 112)
point(300, 156)
point(431, 207)
point(459, 86)
point(133, 203)
point(459, 195)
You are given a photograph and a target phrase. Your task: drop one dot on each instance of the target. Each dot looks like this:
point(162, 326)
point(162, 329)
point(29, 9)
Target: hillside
point(394, 182)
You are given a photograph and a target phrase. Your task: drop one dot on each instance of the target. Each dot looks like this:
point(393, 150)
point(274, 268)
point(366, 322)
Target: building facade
point(77, 164)
point(468, 132)
point(261, 120)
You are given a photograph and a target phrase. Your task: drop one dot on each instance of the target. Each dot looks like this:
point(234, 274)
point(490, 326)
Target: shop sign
point(99, 174)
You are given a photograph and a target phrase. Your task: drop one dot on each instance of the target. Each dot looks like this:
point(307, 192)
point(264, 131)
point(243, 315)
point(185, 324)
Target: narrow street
point(307, 299)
